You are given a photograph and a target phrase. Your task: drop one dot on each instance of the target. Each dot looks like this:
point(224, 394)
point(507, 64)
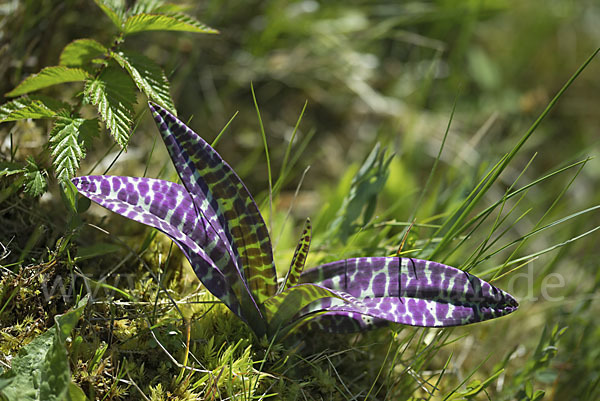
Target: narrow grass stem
point(267, 157)
point(456, 227)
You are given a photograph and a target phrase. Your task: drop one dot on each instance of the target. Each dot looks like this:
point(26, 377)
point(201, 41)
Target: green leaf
point(5, 382)
point(164, 22)
point(88, 131)
point(83, 204)
point(67, 322)
point(113, 93)
point(31, 107)
point(66, 146)
point(148, 77)
point(281, 308)
point(25, 368)
point(114, 9)
point(155, 7)
point(47, 77)
point(299, 258)
point(68, 193)
point(55, 373)
point(538, 395)
point(76, 393)
point(35, 179)
point(366, 185)
point(10, 168)
point(81, 52)
point(41, 369)
point(24, 108)
point(475, 387)
point(95, 250)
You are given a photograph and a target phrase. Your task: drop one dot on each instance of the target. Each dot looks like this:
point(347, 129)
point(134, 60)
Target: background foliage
point(387, 72)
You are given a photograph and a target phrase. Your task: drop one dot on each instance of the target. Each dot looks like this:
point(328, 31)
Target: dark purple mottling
point(408, 291)
point(193, 235)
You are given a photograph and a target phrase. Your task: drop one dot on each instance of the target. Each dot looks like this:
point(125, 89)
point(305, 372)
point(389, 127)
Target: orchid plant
point(214, 220)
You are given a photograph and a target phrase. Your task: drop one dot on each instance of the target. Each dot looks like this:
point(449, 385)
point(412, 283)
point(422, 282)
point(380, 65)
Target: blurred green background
point(388, 72)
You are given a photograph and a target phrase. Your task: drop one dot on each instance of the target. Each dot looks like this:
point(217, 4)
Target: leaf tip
point(153, 106)
point(10, 94)
point(162, 116)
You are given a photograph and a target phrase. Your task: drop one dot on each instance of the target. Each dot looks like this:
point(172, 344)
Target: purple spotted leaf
point(210, 180)
point(404, 290)
point(168, 207)
point(216, 223)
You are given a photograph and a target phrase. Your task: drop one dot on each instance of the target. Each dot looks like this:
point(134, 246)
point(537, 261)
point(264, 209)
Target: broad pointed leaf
point(47, 77)
point(206, 204)
point(408, 291)
point(81, 52)
point(113, 93)
point(299, 258)
point(168, 207)
point(148, 77)
point(163, 22)
point(212, 181)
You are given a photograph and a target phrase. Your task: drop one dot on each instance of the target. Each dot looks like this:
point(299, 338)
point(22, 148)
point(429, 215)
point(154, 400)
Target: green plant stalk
point(537, 225)
point(456, 229)
point(267, 158)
